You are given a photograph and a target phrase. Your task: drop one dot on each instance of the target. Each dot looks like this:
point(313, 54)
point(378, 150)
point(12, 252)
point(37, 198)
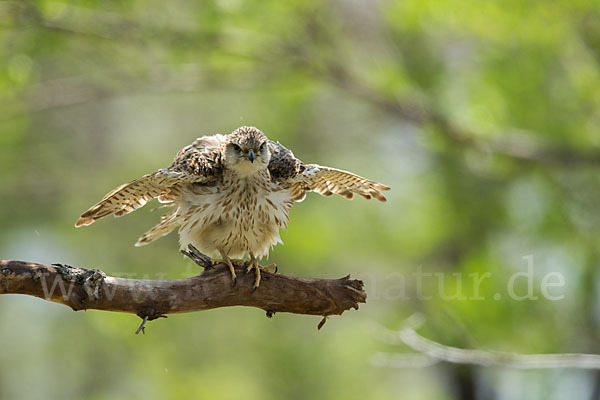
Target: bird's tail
point(167, 223)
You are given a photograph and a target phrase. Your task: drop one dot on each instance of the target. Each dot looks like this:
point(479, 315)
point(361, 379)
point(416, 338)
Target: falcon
point(231, 194)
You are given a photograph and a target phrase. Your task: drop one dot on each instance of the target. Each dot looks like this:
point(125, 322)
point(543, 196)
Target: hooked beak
point(250, 156)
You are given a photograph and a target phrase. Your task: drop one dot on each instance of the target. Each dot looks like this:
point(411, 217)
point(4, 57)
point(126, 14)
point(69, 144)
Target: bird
point(231, 195)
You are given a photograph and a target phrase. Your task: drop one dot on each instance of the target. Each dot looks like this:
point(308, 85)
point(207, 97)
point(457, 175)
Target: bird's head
point(246, 150)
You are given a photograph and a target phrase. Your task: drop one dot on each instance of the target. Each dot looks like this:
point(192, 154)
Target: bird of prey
point(231, 195)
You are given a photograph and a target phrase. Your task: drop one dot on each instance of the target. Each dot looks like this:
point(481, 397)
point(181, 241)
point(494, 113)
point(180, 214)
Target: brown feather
point(133, 195)
point(327, 181)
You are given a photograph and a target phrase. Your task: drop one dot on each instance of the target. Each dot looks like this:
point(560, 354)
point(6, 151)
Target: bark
point(83, 289)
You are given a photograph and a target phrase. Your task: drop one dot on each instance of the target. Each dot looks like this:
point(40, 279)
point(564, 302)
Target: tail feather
point(167, 223)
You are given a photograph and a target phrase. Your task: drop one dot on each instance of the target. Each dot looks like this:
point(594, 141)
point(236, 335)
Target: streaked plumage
point(231, 193)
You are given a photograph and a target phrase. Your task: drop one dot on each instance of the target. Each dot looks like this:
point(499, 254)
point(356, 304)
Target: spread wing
point(300, 178)
point(199, 162)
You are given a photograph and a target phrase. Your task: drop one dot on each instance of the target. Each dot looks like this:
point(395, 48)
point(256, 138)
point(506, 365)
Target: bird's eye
point(236, 147)
point(262, 146)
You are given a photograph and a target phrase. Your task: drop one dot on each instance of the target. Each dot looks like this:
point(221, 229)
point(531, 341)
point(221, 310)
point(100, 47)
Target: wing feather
point(200, 162)
point(135, 194)
point(289, 171)
point(328, 181)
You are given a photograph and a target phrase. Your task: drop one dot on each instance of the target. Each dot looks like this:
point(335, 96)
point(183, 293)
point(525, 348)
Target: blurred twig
point(522, 147)
point(331, 67)
point(83, 289)
point(517, 147)
point(430, 353)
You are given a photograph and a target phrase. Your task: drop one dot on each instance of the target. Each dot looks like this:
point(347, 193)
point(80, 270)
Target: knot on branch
point(89, 279)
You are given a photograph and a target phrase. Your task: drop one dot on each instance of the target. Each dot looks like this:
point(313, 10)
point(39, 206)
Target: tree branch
point(517, 147)
point(430, 353)
point(83, 289)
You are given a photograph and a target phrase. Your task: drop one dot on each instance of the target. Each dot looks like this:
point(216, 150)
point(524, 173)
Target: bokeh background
point(483, 116)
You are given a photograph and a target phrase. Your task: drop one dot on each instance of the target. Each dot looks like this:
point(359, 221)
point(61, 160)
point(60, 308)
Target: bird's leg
point(256, 267)
point(227, 261)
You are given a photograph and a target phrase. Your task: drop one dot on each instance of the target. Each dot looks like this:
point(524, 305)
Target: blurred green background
point(483, 117)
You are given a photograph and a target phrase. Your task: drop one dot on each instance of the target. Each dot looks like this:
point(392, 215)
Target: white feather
point(244, 216)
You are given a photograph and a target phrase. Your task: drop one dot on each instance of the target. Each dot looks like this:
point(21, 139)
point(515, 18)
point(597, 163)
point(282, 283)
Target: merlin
point(231, 194)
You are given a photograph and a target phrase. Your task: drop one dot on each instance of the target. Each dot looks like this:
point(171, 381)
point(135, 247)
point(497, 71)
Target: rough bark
point(83, 289)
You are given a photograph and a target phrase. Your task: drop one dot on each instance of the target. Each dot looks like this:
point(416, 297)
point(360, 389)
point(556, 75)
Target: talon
point(227, 261)
point(254, 265)
point(233, 275)
point(257, 279)
point(270, 268)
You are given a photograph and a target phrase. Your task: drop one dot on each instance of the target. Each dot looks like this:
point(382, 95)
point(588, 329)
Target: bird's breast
point(240, 216)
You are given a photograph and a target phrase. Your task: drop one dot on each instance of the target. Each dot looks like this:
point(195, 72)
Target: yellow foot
point(229, 263)
point(253, 265)
point(271, 268)
point(232, 270)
